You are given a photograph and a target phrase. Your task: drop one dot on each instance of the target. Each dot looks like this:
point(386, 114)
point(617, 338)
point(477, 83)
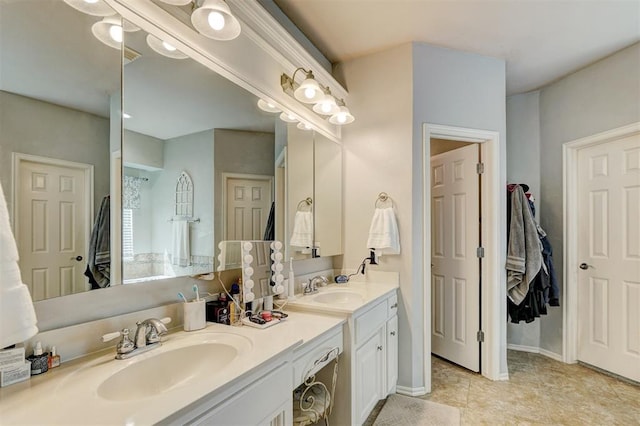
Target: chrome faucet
point(312, 285)
point(147, 337)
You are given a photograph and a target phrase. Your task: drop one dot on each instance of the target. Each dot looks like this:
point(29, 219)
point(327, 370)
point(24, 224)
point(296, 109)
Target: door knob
point(78, 258)
point(584, 266)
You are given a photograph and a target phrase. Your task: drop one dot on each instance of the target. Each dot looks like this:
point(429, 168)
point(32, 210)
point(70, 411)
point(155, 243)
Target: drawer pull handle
point(393, 333)
point(379, 348)
point(395, 305)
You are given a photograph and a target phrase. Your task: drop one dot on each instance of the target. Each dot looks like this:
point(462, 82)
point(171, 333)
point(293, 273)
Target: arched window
point(184, 196)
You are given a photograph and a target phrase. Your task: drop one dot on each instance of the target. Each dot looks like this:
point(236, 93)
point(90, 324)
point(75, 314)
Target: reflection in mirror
point(59, 97)
point(300, 205)
point(198, 160)
point(261, 264)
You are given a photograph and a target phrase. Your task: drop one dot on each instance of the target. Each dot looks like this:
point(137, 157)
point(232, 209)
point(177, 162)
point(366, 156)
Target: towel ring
point(383, 197)
point(308, 201)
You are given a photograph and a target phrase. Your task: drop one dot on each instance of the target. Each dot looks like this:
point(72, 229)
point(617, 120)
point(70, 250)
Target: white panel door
point(609, 256)
point(248, 205)
point(52, 239)
point(455, 271)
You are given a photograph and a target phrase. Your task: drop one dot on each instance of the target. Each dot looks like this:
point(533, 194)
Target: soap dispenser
point(39, 360)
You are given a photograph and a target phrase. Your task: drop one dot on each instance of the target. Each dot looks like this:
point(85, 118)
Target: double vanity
point(229, 375)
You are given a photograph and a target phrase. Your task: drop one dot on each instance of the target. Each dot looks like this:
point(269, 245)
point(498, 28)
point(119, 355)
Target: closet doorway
point(455, 261)
point(489, 310)
point(603, 250)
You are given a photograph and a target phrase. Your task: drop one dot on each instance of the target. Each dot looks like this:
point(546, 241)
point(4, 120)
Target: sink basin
point(339, 297)
point(171, 368)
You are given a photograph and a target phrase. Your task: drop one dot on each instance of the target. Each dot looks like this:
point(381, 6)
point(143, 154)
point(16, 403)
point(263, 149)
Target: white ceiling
point(541, 41)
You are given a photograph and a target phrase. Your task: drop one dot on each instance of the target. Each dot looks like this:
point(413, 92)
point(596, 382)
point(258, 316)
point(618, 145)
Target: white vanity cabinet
point(262, 398)
point(375, 356)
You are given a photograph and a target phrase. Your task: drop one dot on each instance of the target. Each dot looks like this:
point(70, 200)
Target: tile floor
point(539, 391)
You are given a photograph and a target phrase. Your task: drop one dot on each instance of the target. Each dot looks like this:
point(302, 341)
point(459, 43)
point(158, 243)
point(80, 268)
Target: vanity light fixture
point(312, 92)
point(267, 106)
point(214, 19)
point(164, 48)
point(176, 2)
point(92, 7)
point(109, 30)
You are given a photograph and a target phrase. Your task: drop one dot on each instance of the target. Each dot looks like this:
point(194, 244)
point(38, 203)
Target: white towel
point(302, 235)
point(180, 244)
point(383, 233)
point(17, 316)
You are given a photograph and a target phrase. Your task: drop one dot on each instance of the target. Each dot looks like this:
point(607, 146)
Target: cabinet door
point(392, 355)
point(369, 375)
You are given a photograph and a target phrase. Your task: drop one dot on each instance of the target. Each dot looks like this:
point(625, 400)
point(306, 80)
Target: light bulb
point(115, 31)
point(167, 46)
point(309, 92)
point(325, 107)
point(91, 1)
point(342, 117)
point(216, 20)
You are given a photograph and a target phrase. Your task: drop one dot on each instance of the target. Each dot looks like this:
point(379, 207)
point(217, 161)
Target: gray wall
point(464, 90)
point(34, 127)
point(523, 166)
point(600, 97)
point(193, 154)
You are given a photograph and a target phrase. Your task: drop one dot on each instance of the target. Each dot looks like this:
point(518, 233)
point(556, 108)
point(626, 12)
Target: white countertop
point(369, 292)
point(68, 394)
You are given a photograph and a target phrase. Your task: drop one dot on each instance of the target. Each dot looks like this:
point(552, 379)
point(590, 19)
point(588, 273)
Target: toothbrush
point(195, 288)
point(181, 296)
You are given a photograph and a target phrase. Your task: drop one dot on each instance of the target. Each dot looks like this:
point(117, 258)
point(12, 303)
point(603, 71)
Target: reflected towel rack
point(179, 219)
point(307, 201)
point(383, 197)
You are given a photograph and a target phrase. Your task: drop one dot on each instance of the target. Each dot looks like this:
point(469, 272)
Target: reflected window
point(184, 196)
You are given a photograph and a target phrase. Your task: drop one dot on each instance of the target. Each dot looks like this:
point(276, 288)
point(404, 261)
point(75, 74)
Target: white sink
point(170, 368)
point(339, 297)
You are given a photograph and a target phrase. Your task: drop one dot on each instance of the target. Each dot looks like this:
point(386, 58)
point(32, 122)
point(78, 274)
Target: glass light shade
point(303, 126)
point(164, 48)
point(91, 7)
point(289, 118)
point(326, 106)
point(267, 106)
point(343, 116)
point(106, 29)
point(214, 20)
point(309, 91)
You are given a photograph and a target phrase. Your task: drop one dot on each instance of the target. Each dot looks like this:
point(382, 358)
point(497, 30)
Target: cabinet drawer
point(392, 302)
point(310, 359)
point(370, 321)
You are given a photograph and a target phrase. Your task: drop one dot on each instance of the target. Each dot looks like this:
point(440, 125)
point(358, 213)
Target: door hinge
point(480, 336)
point(480, 168)
point(480, 252)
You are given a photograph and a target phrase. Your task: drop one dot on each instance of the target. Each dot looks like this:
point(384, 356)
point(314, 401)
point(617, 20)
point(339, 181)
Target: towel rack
point(383, 197)
point(184, 219)
point(308, 201)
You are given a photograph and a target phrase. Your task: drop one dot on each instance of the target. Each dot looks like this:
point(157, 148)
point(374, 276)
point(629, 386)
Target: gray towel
point(524, 252)
point(99, 261)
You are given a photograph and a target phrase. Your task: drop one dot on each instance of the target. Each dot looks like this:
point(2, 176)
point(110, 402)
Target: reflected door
point(53, 207)
point(248, 203)
point(455, 271)
point(609, 256)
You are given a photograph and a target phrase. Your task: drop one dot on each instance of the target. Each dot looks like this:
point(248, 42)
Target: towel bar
point(183, 219)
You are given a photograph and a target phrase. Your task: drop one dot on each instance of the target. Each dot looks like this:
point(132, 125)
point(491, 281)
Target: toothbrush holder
point(194, 315)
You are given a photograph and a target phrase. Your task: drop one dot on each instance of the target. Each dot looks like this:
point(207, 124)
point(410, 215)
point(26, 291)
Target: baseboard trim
point(404, 390)
point(535, 350)
point(503, 377)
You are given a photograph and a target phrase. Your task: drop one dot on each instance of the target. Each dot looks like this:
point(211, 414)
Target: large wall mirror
point(197, 163)
point(198, 157)
point(58, 88)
